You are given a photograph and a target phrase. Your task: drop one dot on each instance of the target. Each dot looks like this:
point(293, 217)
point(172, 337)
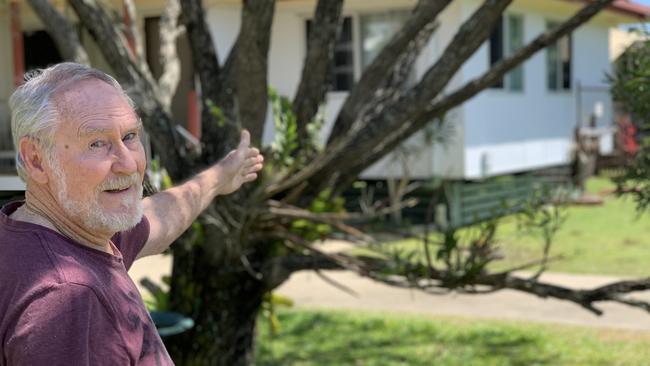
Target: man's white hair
point(34, 112)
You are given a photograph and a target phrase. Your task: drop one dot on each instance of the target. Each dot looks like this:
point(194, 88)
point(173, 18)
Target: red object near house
point(627, 136)
point(17, 43)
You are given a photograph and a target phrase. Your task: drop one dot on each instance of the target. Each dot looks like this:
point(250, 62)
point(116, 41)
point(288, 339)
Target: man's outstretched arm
point(172, 211)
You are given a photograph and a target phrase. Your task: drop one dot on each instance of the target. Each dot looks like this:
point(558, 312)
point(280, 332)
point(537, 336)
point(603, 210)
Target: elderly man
point(65, 296)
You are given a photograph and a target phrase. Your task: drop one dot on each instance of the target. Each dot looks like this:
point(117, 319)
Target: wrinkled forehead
point(87, 98)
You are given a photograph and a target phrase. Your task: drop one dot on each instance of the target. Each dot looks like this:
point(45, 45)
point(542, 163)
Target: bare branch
point(301, 262)
point(285, 210)
point(171, 64)
point(442, 281)
point(296, 242)
point(296, 213)
point(320, 54)
point(530, 264)
point(585, 298)
point(336, 284)
point(133, 33)
point(61, 29)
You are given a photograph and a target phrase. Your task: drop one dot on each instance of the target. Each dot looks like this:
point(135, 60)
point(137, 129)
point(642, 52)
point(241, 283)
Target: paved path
point(309, 290)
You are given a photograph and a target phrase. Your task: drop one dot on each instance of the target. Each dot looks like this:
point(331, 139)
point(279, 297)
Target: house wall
point(507, 131)
point(621, 39)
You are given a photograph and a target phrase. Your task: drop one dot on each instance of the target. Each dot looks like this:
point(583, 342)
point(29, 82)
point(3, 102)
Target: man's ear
point(32, 157)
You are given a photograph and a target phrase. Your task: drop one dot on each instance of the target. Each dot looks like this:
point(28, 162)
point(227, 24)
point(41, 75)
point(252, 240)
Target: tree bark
point(224, 301)
point(318, 63)
point(252, 65)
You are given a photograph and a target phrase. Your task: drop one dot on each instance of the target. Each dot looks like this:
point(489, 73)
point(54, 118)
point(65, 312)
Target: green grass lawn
point(610, 239)
point(311, 338)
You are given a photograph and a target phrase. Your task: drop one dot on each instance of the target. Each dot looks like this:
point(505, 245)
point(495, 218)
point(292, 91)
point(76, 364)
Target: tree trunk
point(224, 301)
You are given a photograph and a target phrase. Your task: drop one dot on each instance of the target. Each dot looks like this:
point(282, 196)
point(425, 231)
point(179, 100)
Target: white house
point(524, 124)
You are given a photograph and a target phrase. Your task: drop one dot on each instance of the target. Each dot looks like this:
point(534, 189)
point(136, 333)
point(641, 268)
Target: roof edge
point(625, 7)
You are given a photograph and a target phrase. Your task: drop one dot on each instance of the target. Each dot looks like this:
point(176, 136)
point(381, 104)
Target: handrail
point(7, 154)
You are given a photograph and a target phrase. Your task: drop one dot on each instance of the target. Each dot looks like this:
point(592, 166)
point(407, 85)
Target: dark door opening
point(40, 50)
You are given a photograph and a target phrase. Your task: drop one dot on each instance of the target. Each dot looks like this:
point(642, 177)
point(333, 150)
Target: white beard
point(92, 214)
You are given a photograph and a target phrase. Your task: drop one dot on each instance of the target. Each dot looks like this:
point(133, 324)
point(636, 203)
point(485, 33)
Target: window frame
point(559, 63)
point(357, 42)
point(506, 50)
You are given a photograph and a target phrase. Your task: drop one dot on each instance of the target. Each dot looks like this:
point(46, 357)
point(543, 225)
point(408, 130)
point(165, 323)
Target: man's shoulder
point(23, 254)
point(35, 259)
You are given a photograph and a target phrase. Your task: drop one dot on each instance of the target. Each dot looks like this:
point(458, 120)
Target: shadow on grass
point(329, 338)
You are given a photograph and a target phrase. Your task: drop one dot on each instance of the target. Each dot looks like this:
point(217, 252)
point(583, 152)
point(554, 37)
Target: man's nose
point(124, 160)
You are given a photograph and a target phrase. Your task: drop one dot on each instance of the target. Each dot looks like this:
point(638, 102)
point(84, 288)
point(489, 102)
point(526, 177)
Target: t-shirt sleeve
point(66, 325)
point(131, 242)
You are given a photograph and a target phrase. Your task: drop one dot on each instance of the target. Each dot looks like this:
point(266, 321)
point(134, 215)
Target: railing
point(6, 145)
point(473, 202)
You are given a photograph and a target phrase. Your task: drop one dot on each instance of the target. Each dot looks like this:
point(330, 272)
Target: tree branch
point(280, 209)
point(204, 53)
point(133, 33)
point(585, 298)
point(320, 54)
point(440, 281)
point(61, 29)
point(171, 64)
point(252, 65)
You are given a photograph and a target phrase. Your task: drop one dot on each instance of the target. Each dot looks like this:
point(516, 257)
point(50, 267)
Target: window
point(558, 62)
point(505, 40)
point(374, 31)
point(342, 73)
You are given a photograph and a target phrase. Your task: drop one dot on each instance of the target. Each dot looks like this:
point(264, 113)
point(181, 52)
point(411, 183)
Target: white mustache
point(120, 182)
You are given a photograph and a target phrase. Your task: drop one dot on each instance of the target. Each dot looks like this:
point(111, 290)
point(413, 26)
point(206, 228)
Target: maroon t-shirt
point(63, 303)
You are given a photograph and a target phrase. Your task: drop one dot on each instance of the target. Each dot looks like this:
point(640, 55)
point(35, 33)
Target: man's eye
point(98, 144)
point(130, 136)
